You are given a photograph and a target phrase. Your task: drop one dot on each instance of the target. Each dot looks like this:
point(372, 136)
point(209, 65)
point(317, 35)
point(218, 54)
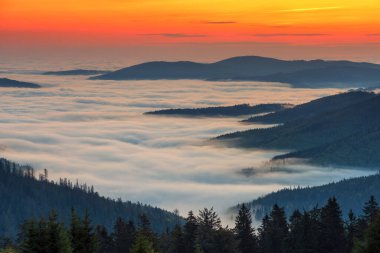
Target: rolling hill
point(299, 73)
point(351, 194)
point(220, 111)
point(326, 135)
point(73, 72)
point(5, 82)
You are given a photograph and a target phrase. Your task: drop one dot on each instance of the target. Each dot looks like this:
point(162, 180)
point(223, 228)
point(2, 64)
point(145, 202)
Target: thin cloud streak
point(290, 34)
point(309, 9)
point(219, 22)
point(175, 35)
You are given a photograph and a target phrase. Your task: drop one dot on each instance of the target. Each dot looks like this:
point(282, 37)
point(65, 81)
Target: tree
point(332, 238)
point(370, 210)
point(190, 233)
point(145, 232)
point(352, 231)
point(142, 245)
point(57, 237)
point(83, 239)
point(177, 243)
point(278, 229)
point(123, 236)
point(245, 233)
point(373, 237)
point(105, 243)
point(208, 222)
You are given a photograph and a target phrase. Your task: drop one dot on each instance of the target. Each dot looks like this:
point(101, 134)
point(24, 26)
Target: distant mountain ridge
point(5, 82)
point(299, 73)
point(85, 72)
point(222, 111)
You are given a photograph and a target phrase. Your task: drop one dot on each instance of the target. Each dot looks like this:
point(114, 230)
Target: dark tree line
point(320, 230)
point(25, 193)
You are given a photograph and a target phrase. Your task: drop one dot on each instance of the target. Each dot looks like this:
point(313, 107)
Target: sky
point(203, 30)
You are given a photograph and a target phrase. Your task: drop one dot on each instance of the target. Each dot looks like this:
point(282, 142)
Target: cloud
point(373, 34)
point(219, 22)
point(175, 35)
point(290, 34)
point(327, 8)
point(96, 131)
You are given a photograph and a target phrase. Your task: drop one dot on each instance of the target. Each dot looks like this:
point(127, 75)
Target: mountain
point(346, 136)
point(85, 72)
point(299, 73)
point(313, 108)
point(24, 197)
point(229, 111)
point(351, 194)
point(5, 82)
point(332, 76)
point(361, 149)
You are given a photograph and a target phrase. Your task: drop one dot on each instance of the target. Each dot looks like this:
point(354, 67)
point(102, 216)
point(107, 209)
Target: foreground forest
point(320, 230)
point(79, 220)
point(23, 196)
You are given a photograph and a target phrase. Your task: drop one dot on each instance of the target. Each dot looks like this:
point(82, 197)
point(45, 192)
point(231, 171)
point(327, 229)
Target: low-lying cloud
point(96, 131)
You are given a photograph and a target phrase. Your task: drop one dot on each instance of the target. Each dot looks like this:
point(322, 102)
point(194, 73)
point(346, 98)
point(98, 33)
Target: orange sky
point(102, 23)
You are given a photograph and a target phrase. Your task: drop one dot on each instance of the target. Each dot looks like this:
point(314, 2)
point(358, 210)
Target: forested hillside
point(352, 194)
point(338, 130)
point(226, 111)
point(24, 197)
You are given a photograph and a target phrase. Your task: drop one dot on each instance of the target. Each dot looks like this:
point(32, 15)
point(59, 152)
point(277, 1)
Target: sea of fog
point(95, 131)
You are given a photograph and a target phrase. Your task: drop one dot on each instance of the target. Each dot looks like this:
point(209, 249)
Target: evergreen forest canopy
point(339, 130)
point(320, 230)
point(23, 196)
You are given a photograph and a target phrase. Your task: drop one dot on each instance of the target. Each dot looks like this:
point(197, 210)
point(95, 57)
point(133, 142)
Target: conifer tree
point(177, 243)
point(372, 244)
point(245, 233)
point(142, 245)
point(332, 237)
point(123, 236)
point(57, 238)
point(371, 210)
point(190, 233)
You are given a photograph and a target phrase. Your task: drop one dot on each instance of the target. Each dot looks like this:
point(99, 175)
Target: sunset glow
point(155, 21)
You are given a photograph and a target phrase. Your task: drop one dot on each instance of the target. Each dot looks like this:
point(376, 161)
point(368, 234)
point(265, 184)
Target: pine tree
point(245, 233)
point(75, 232)
point(88, 235)
point(373, 237)
point(142, 245)
point(58, 240)
point(332, 237)
point(278, 229)
point(265, 244)
point(295, 242)
point(105, 243)
point(208, 223)
point(123, 236)
point(352, 231)
point(145, 232)
point(371, 210)
point(190, 233)
point(177, 243)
